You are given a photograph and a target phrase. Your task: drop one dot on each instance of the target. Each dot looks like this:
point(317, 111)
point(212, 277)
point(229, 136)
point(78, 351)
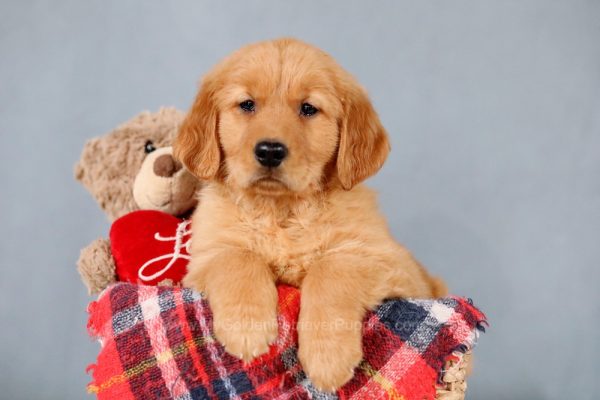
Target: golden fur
point(307, 222)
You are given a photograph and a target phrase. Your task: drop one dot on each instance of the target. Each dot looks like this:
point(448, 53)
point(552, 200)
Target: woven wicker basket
point(454, 383)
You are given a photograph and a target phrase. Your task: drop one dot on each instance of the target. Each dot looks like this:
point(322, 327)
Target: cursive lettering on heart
point(182, 232)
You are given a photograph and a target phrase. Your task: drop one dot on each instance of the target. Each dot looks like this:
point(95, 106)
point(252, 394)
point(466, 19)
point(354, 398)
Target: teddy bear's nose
point(166, 166)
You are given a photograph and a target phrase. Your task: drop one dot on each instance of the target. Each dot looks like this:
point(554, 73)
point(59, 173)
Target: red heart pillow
point(150, 247)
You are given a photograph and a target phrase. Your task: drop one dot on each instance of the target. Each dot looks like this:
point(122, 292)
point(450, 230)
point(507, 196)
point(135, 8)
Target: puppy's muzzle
point(270, 154)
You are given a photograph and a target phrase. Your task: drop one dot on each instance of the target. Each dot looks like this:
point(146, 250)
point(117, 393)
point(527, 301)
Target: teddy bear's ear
point(79, 171)
point(107, 179)
point(83, 166)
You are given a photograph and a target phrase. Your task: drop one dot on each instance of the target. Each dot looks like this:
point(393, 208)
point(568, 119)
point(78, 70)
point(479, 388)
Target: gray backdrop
point(493, 181)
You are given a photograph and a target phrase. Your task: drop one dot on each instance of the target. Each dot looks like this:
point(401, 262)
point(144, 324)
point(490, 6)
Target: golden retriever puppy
point(284, 136)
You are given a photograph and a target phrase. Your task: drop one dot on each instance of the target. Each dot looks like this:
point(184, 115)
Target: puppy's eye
point(149, 147)
point(247, 105)
point(308, 110)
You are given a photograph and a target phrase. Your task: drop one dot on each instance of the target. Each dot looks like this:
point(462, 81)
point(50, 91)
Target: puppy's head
point(281, 117)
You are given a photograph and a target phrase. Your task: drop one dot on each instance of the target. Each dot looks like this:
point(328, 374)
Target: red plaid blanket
point(157, 344)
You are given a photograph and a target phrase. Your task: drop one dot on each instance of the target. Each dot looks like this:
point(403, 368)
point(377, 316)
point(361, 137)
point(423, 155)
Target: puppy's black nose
point(270, 154)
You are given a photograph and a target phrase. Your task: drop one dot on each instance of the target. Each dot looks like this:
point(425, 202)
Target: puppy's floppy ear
point(364, 143)
point(197, 143)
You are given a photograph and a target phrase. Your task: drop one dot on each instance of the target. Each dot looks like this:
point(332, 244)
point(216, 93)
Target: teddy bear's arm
point(96, 265)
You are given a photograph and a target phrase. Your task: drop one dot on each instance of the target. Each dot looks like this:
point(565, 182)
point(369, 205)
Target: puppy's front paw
point(329, 361)
point(246, 331)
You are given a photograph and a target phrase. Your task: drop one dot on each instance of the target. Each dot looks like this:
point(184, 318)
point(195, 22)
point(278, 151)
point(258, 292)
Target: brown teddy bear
point(129, 169)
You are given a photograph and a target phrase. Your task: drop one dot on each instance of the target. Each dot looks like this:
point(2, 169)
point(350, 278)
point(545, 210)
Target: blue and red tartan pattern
point(157, 343)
